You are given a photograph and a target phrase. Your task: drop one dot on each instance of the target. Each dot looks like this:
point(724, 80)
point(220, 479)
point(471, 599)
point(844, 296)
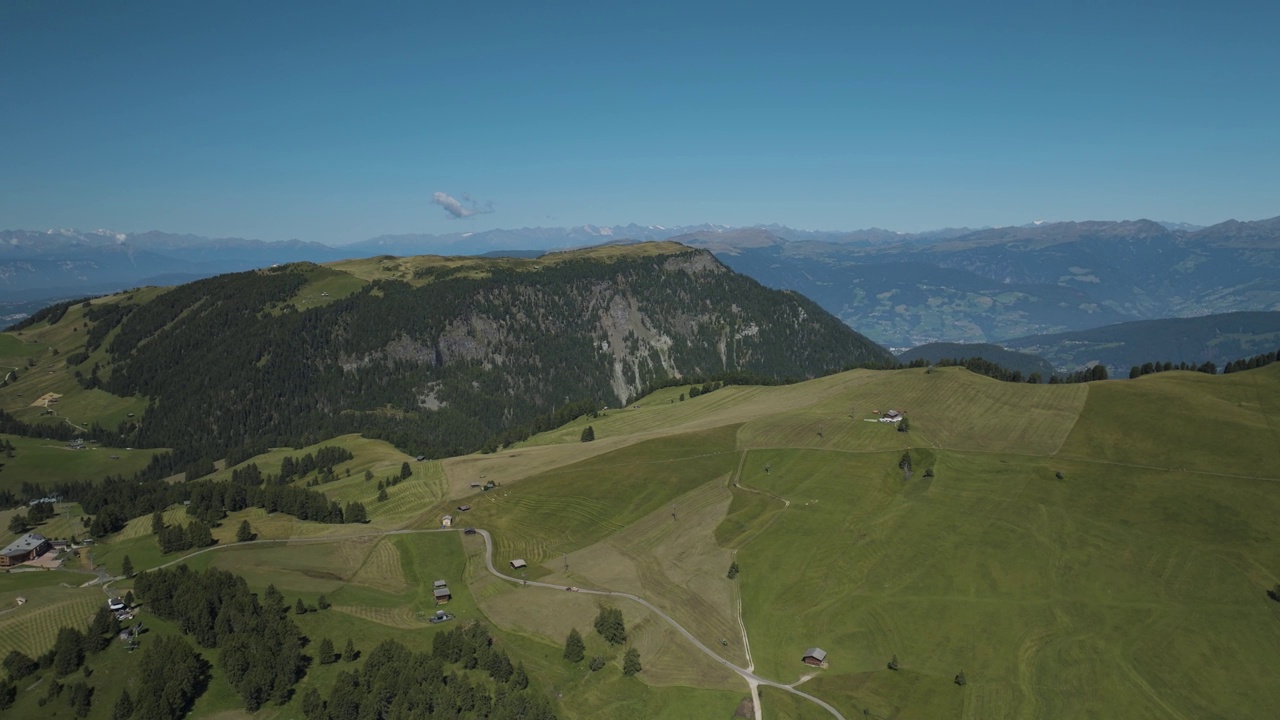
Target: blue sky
point(333, 122)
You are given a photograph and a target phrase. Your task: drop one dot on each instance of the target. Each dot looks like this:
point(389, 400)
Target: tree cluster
point(1257, 361)
point(610, 625)
point(398, 683)
point(261, 647)
point(1138, 371)
point(171, 675)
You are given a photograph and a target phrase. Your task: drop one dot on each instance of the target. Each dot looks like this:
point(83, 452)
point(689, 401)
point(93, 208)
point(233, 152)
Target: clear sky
point(333, 122)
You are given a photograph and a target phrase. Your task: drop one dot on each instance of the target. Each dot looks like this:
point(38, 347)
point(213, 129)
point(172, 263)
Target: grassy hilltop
point(1098, 550)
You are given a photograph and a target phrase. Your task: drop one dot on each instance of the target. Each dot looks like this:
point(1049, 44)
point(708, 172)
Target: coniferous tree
point(299, 608)
point(405, 470)
point(610, 625)
point(68, 651)
point(325, 652)
point(245, 532)
point(631, 662)
point(126, 567)
point(18, 524)
point(519, 678)
point(588, 434)
point(123, 709)
point(382, 495)
point(349, 652)
point(733, 570)
point(80, 698)
point(312, 704)
point(19, 665)
point(157, 522)
point(574, 648)
point(355, 513)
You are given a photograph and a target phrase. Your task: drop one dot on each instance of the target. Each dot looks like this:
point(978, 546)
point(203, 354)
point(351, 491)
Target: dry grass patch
point(675, 563)
point(668, 658)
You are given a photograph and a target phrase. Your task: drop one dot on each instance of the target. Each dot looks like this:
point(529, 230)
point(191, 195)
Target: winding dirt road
point(747, 673)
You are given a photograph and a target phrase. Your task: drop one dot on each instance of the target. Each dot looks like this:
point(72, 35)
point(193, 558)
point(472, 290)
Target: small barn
point(518, 564)
point(446, 521)
point(815, 656)
point(442, 595)
point(439, 584)
point(890, 416)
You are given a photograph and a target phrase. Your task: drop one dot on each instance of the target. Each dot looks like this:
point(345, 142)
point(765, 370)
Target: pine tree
point(382, 495)
point(405, 471)
point(128, 598)
point(80, 698)
point(245, 532)
point(124, 707)
point(610, 625)
point(68, 651)
point(312, 704)
point(18, 524)
point(631, 662)
point(893, 663)
point(323, 603)
point(597, 663)
point(299, 608)
point(126, 567)
point(960, 679)
point(157, 523)
point(19, 665)
point(733, 570)
point(519, 679)
point(588, 434)
point(349, 652)
point(355, 513)
point(574, 648)
point(325, 651)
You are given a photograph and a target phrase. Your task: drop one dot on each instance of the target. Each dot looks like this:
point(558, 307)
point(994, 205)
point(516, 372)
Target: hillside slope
point(1218, 339)
point(438, 355)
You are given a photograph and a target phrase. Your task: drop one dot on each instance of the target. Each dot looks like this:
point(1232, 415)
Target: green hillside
point(1086, 550)
point(1218, 339)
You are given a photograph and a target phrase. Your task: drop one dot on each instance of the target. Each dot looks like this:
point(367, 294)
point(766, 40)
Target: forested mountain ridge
point(995, 284)
point(441, 356)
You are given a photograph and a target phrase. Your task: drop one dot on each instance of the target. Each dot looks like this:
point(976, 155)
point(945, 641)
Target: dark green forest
point(449, 367)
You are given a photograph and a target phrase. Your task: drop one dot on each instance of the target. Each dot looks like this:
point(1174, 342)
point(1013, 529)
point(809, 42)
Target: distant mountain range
point(1001, 283)
point(900, 289)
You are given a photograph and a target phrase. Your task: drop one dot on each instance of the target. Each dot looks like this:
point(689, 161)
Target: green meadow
point(1098, 550)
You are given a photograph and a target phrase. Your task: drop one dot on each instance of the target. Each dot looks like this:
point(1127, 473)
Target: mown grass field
point(562, 510)
point(46, 462)
point(54, 599)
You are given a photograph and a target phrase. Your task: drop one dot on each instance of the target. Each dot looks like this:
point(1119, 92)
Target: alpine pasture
point(1098, 550)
